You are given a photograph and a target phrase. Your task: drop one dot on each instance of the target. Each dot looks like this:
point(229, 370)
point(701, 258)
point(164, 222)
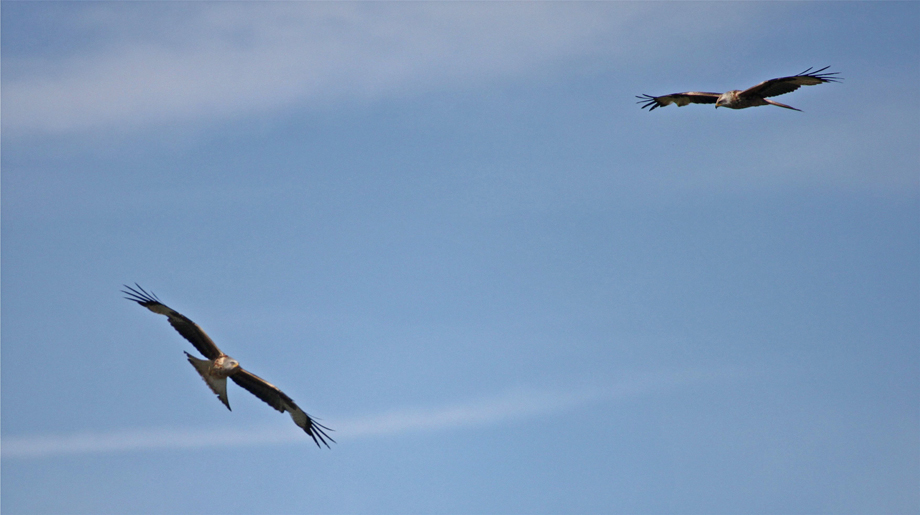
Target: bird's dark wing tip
point(823, 77)
point(142, 297)
point(316, 431)
point(648, 101)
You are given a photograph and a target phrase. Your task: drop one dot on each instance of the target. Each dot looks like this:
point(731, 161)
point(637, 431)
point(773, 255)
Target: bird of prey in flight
point(218, 367)
point(751, 97)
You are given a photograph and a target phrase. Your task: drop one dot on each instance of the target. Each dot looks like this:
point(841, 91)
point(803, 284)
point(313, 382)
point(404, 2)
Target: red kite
point(218, 367)
point(751, 97)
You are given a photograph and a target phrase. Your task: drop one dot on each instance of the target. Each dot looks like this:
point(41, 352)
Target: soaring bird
point(751, 97)
point(218, 367)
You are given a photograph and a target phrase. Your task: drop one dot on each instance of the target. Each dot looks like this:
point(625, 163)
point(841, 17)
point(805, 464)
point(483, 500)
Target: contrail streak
point(513, 404)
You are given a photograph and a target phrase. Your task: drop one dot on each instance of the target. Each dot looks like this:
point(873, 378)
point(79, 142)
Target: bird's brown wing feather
point(275, 398)
point(783, 85)
point(262, 389)
point(188, 329)
point(681, 99)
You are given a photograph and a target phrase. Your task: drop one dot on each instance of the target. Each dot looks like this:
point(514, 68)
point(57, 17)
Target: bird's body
point(218, 367)
point(751, 97)
point(733, 100)
point(215, 373)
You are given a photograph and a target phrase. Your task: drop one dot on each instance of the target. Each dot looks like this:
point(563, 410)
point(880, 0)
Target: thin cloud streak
point(512, 405)
point(232, 59)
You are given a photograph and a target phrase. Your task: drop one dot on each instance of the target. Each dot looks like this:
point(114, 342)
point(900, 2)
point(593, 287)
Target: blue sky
point(449, 232)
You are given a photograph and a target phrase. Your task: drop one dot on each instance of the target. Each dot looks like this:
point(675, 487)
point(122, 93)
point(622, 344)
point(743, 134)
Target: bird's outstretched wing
point(783, 85)
point(188, 329)
point(281, 402)
point(681, 99)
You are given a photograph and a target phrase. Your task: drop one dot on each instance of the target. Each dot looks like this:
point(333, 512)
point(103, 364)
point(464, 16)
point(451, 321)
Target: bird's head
point(726, 99)
point(226, 364)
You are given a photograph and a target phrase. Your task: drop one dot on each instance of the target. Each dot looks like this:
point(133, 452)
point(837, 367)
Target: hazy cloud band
point(507, 406)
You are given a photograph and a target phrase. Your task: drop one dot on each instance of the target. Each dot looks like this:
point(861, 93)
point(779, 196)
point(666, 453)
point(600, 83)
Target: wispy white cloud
point(511, 405)
point(209, 61)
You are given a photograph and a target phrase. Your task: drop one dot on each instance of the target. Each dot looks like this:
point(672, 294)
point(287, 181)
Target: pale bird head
point(726, 98)
point(228, 365)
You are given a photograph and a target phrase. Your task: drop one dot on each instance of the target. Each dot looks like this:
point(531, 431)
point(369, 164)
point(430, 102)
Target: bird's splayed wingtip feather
point(648, 101)
point(317, 432)
point(142, 296)
point(826, 77)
